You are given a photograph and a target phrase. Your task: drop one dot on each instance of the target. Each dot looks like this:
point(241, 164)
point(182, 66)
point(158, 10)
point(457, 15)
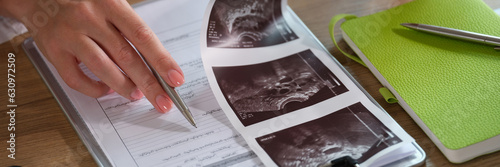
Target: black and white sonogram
point(247, 24)
point(262, 91)
point(352, 131)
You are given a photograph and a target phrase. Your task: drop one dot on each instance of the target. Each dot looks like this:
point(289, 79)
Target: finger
point(69, 70)
point(90, 54)
point(130, 62)
point(146, 42)
point(67, 66)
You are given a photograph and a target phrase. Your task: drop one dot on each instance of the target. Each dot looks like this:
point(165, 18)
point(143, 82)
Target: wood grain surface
point(44, 137)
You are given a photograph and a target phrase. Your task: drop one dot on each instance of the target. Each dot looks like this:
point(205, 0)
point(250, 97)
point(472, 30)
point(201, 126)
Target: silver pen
point(457, 34)
point(172, 93)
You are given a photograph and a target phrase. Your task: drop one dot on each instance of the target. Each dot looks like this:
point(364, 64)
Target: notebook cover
point(452, 85)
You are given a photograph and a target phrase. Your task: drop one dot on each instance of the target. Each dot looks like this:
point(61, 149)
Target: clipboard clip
point(345, 161)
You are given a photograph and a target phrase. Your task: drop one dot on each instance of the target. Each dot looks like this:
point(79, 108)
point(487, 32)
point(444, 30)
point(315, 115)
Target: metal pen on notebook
point(457, 34)
point(172, 93)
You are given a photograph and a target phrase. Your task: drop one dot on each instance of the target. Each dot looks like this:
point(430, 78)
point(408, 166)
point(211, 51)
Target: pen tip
point(409, 24)
point(191, 121)
point(194, 124)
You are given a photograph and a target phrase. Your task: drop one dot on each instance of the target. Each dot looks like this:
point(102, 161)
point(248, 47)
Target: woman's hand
point(92, 32)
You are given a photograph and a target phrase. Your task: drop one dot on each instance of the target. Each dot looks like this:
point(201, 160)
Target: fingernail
point(163, 103)
point(110, 91)
point(175, 78)
point(136, 95)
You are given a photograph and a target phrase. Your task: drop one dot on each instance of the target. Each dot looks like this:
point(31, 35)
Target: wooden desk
point(45, 138)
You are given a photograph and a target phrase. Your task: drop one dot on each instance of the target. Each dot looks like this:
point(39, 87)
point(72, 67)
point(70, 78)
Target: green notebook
point(451, 88)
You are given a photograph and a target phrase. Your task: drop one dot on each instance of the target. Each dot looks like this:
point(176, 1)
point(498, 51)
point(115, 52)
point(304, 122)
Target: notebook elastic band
point(331, 27)
point(388, 96)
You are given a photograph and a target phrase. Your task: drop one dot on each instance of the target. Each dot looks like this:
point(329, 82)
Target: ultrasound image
point(352, 131)
point(247, 24)
point(262, 91)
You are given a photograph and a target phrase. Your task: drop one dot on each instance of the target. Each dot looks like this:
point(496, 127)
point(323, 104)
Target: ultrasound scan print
point(352, 131)
point(247, 24)
point(262, 91)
